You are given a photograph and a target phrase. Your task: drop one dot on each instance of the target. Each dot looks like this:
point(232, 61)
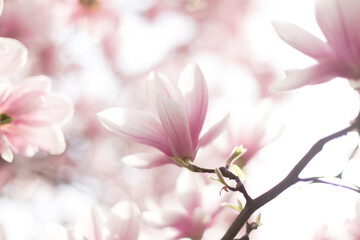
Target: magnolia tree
point(203, 152)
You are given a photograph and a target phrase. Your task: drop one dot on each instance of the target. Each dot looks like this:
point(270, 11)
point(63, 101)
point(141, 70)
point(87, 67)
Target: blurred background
point(99, 53)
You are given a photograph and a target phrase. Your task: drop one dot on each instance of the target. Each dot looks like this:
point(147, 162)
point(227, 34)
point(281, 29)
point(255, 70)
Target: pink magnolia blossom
point(339, 56)
point(122, 223)
point(197, 211)
point(30, 118)
point(178, 114)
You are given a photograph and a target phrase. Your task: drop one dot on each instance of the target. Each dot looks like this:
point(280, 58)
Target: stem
point(351, 187)
point(289, 180)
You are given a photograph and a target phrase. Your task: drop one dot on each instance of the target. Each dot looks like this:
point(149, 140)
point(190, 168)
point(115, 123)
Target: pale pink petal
point(188, 190)
point(147, 160)
point(158, 84)
point(20, 145)
point(5, 151)
point(193, 85)
point(337, 20)
point(351, 17)
point(316, 74)
point(55, 109)
point(175, 122)
point(5, 90)
point(48, 138)
point(124, 221)
point(13, 55)
point(1, 6)
point(90, 224)
point(28, 95)
point(213, 132)
point(135, 126)
point(302, 40)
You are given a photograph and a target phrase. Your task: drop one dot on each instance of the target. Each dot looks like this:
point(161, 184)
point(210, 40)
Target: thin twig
point(288, 181)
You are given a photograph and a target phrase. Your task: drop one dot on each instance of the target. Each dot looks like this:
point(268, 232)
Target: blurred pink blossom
point(338, 57)
point(196, 212)
point(31, 116)
point(122, 223)
point(178, 114)
point(95, 15)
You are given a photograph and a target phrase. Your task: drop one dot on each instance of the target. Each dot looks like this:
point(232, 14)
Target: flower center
point(90, 3)
point(5, 119)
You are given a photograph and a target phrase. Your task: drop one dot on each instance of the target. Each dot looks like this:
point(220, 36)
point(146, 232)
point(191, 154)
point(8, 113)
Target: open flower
point(193, 210)
point(30, 118)
point(338, 57)
point(178, 114)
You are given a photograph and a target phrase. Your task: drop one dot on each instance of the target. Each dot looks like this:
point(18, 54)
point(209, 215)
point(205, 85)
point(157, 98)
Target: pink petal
point(48, 138)
point(5, 151)
point(13, 55)
point(19, 145)
point(90, 224)
point(5, 90)
point(135, 126)
point(302, 40)
point(316, 74)
point(175, 122)
point(27, 96)
point(55, 109)
point(147, 160)
point(124, 221)
point(188, 190)
point(193, 85)
point(338, 20)
point(158, 84)
point(213, 132)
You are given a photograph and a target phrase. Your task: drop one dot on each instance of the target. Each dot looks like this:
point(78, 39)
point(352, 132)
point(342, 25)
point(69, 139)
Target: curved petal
point(213, 132)
point(5, 151)
point(28, 95)
point(48, 138)
point(13, 56)
point(55, 109)
point(316, 74)
point(19, 145)
point(302, 40)
point(193, 85)
point(135, 126)
point(337, 19)
point(147, 160)
point(158, 84)
point(176, 125)
point(124, 221)
point(90, 224)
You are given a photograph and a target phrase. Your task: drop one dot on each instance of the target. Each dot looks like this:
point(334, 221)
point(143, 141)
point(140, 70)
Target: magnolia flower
point(339, 56)
point(30, 118)
point(122, 223)
point(197, 211)
point(178, 114)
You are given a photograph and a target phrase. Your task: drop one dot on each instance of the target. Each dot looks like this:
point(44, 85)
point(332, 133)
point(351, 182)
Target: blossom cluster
point(111, 137)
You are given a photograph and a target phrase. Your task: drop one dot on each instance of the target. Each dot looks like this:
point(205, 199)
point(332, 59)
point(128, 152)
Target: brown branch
point(288, 181)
